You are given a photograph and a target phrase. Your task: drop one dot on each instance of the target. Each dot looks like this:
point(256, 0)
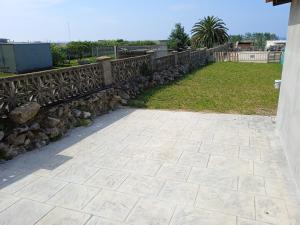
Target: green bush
point(119, 42)
point(79, 49)
point(58, 55)
point(84, 49)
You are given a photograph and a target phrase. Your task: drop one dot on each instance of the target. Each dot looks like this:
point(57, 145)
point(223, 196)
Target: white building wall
point(253, 56)
point(289, 103)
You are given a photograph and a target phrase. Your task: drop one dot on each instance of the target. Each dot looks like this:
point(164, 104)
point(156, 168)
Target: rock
point(1, 135)
point(53, 132)
point(125, 96)
point(30, 135)
point(124, 102)
point(21, 129)
point(66, 109)
point(86, 115)
point(52, 122)
point(77, 113)
point(35, 126)
point(117, 98)
point(42, 136)
point(16, 140)
point(60, 112)
point(72, 122)
point(13, 151)
point(40, 144)
point(27, 142)
point(3, 146)
point(6, 152)
point(24, 113)
point(3, 150)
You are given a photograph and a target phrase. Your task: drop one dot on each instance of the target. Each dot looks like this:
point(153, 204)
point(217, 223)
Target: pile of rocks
point(167, 76)
point(30, 126)
point(131, 88)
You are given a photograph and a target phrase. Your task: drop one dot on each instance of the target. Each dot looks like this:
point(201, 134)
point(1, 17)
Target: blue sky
point(47, 20)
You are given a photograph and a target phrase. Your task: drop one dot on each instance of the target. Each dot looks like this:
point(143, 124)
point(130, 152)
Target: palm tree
point(209, 32)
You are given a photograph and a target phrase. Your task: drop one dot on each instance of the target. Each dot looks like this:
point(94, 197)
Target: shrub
point(58, 55)
point(79, 49)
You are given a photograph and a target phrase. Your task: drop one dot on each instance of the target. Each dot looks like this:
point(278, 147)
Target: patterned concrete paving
point(143, 167)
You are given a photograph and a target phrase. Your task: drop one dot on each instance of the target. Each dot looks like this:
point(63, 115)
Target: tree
point(58, 55)
point(209, 32)
point(235, 38)
point(260, 39)
point(178, 39)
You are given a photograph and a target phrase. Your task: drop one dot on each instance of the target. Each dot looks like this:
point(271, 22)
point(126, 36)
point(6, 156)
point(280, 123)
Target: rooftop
point(279, 2)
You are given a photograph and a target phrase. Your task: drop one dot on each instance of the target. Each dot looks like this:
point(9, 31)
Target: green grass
point(74, 62)
point(3, 75)
point(245, 88)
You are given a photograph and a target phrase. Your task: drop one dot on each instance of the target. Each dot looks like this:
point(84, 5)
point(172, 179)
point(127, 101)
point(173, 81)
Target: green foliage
point(79, 49)
point(259, 39)
point(4, 75)
point(229, 87)
point(209, 32)
point(85, 122)
point(119, 42)
point(58, 54)
point(235, 38)
point(84, 49)
point(178, 39)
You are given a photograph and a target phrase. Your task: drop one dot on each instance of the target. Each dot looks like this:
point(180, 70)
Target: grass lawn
point(245, 88)
point(3, 75)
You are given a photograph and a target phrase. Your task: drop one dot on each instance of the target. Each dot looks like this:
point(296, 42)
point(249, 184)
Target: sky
point(51, 20)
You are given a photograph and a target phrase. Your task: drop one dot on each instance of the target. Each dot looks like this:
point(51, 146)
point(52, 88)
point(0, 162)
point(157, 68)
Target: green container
point(282, 58)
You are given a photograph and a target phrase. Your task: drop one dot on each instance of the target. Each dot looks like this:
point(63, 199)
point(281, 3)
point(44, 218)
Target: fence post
point(152, 53)
point(107, 73)
point(190, 59)
point(175, 58)
point(116, 51)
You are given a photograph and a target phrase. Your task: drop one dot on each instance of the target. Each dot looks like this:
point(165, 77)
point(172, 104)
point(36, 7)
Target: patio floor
point(151, 167)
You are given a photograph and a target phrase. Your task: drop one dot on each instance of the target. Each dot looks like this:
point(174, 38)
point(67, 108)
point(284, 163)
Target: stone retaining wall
point(41, 107)
point(34, 130)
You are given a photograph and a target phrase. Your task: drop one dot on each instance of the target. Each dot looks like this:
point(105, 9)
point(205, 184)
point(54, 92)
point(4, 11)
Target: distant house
point(246, 45)
point(4, 40)
point(275, 45)
point(24, 57)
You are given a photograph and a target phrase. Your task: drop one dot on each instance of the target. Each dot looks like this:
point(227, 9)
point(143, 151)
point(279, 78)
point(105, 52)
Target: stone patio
point(151, 167)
